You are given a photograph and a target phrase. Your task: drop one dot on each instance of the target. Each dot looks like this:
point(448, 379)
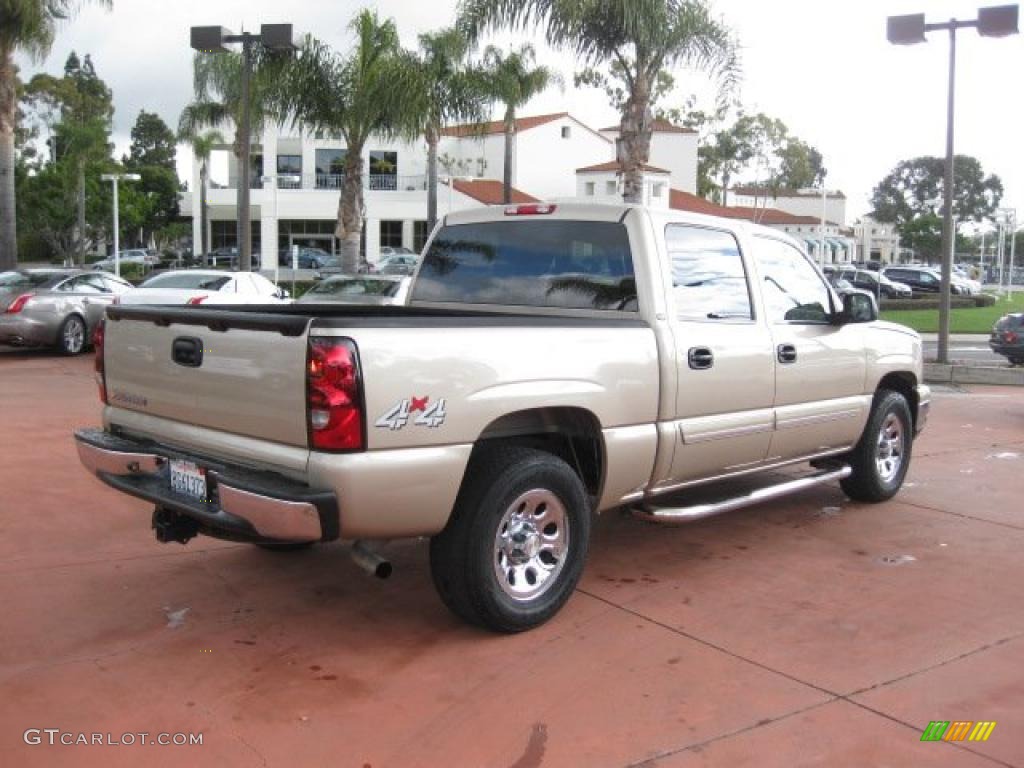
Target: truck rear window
point(555, 263)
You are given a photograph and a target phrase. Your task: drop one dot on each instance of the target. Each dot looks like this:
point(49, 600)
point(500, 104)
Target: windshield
point(186, 281)
point(356, 287)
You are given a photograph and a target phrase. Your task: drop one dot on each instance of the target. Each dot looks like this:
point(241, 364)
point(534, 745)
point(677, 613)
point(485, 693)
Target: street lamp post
point(274, 37)
point(998, 21)
point(114, 178)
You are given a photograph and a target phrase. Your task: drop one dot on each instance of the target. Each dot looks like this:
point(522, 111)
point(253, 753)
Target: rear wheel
point(517, 540)
point(71, 336)
point(881, 458)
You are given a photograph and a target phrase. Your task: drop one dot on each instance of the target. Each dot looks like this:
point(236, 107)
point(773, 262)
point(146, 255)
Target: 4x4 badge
point(430, 414)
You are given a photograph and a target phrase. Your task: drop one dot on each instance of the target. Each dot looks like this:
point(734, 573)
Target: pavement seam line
point(962, 515)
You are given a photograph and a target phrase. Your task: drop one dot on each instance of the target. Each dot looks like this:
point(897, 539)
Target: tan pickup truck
point(553, 361)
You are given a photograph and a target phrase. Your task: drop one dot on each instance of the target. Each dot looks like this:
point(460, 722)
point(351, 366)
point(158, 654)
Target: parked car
point(135, 256)
point(393, 250)
point(876, 282)
point(362, 289)
point(55, 308)
point(1007, 338)
point(542, 371)
point(309, 258)
point(206, 286)
point(398, 264)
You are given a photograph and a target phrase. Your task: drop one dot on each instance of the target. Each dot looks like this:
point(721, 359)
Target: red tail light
point(1009, 337)
point(197, 300)
point(18, 304)
point(333, 396)
point(533, 209)
point(98, 337)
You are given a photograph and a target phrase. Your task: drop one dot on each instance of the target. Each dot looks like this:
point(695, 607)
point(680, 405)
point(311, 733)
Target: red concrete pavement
point(789, 634)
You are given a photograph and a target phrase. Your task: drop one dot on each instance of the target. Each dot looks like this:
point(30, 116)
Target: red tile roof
point(489, 192)
point(498, 126)
point(661, 125)
point(684, 201)
point(616, 166)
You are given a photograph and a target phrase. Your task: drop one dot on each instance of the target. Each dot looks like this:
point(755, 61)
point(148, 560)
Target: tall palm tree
point(203, 145)
point(513, 80)
point(640, 39)
point(361, 93)
point(26, 26)
point(448, 90)
point(217, 83)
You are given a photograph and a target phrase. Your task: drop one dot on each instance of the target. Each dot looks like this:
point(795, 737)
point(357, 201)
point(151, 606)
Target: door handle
point(786, 353)
point(187, 351)
point(700, 358)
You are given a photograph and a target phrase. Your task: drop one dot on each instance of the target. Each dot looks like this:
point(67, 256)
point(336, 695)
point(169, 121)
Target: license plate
point(188, 479)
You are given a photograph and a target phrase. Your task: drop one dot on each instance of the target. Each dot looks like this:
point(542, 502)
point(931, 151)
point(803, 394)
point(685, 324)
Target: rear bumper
point(23, 330)
point(242, 505)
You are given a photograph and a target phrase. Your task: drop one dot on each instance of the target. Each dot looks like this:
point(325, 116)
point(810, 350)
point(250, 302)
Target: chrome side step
point(678, 515)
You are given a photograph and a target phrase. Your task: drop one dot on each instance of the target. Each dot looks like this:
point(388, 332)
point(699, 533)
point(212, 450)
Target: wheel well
point(572, 434)
point(904, 383)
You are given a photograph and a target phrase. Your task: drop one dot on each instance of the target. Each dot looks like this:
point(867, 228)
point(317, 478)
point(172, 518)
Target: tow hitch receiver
point(170, 526)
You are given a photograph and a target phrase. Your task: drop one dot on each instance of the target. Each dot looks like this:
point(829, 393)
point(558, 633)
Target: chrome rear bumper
point(241, 504)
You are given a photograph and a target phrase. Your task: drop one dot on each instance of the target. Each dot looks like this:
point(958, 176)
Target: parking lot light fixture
point(114, 178)
point(274, 37)
point(997, 21)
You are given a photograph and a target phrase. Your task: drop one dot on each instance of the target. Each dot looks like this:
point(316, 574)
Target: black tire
point(71, 336)
point(876, 477)
point(528, 485)
point(285, 546)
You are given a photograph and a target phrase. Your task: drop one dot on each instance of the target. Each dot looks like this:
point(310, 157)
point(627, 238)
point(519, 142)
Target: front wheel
point(881, 458)
point(517, 540)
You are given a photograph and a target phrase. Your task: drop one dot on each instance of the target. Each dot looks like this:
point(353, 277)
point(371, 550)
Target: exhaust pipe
point(369, 560)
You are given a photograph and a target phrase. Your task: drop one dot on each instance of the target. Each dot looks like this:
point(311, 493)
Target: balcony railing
point(373, 182)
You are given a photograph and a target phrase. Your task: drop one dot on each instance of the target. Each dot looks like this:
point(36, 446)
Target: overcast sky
point(822, 66)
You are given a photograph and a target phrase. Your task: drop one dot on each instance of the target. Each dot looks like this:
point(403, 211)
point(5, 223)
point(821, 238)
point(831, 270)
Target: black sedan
point(1007, 338)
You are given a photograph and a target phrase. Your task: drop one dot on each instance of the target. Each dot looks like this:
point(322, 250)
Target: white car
point(206, 286)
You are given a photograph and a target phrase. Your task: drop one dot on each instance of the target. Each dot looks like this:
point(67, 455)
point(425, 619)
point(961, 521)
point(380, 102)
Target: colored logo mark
point(958, 730)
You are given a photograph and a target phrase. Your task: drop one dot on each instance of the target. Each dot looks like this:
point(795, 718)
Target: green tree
point(446, 90)
point(153, 143)
point(217, 86)
point(513, 80)
point(28, 27)
point(355, 95)
point(637, 40)
point(914, 188)
point(203, 144)
point(800, 165)
point(152, 156)
point(78, 109)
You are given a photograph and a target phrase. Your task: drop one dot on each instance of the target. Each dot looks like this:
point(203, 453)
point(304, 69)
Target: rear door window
point(555, 263)
point(709, 281)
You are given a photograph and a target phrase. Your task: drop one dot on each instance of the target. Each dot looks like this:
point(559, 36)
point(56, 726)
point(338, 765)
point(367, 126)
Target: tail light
point(98, 338)
point(533, 209)
point(195, 301)
point(1009, 337)
point(18, 304)
point(334, 396)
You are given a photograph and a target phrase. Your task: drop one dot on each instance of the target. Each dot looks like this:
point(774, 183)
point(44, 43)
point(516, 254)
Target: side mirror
point(858, 307)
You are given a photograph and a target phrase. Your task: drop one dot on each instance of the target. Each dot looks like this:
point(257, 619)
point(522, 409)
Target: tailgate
point(250, 379)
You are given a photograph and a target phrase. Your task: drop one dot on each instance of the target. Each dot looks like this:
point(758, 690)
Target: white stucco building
point(877, 241)
point(555, 156)
point(799, 202)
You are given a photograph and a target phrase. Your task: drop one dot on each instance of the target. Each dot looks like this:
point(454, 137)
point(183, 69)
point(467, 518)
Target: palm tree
point(363, 93)
point(217, 82)
point(513, 80)
point(203, 145)
point(27, 26)
point(448, 90)
point(640, 39)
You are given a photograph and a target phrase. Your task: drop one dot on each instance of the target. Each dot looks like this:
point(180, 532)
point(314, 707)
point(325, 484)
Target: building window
point(289, 165)
point(611, 187)
point(657, 189)
point(420, 233)
point(391, 234)
point(589, 186)
point(566, 132)
point(383, 170)
point(330, 167)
